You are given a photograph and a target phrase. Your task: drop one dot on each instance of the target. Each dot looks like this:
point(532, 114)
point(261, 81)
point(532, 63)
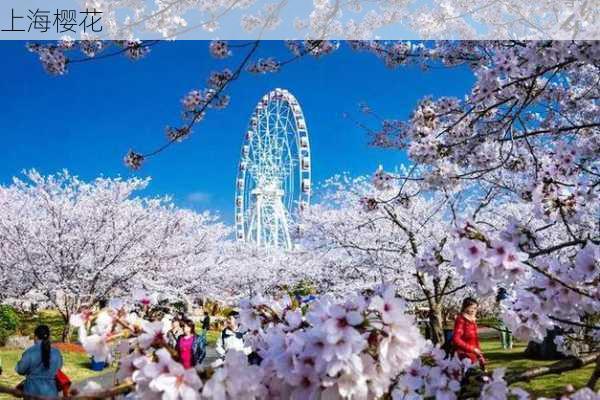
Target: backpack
point(63, 383)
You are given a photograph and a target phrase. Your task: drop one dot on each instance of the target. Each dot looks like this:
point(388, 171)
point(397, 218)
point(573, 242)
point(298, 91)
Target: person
point(505, 333)
point(40, 364)
point(191, 348)
point(175, 332)
point(505, 336)
point(465, 338)
point(205, 324)
point(231, 339)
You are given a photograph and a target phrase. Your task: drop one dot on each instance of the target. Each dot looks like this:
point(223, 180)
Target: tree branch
point(568, 364)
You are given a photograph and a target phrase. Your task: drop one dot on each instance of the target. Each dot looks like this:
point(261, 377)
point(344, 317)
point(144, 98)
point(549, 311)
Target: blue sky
point(86, 120)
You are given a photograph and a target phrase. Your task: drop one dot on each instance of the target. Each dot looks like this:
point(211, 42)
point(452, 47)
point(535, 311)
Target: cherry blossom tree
point(243, 270)
point(365, 235)
point(528, 132)
point(77, 243)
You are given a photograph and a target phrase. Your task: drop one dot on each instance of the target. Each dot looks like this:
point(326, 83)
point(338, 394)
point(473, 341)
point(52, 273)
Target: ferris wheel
point(273, 184)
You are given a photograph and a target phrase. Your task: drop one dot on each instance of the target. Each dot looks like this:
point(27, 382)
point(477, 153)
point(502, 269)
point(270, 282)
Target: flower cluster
point(235, 378)
point(53, 59)
point(135, 49)
point(264, 65)
point(487, 262)
point(496, 388)
point(563, 293)
point(432, 375)
point(318, 48)
point(469, 137)
point(368, 204)
point(218, 80)
point(177, 134)
point(91, 48)
point(352, 348)
point(133, 160)
point(196, 101)
point(527, 317)
point(382, 180)
point(429, 261)
point(138, 334)
point(219, 49)
point(192, 100)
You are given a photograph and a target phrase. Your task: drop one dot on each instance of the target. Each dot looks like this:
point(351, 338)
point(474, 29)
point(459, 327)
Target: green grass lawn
point(47, 317)
point(212, 337)
point(514, 361)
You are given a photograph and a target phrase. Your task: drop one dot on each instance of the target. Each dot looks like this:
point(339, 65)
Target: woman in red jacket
point(465, 339)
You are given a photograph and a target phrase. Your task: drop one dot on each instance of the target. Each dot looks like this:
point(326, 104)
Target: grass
point(212, 337)
point(47, 317)
point(514, 361)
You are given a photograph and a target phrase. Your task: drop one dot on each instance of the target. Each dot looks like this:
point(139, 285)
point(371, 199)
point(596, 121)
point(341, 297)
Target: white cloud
point(198, 197)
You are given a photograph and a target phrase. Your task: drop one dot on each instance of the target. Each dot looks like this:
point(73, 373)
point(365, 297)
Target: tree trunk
point(71, 305)
point(436, 324)
point(67, 331)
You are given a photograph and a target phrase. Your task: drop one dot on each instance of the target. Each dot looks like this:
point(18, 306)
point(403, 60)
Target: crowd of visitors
point(41, 363)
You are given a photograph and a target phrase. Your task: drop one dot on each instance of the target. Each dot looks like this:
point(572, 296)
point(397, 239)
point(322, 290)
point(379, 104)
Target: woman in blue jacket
point(39, 364)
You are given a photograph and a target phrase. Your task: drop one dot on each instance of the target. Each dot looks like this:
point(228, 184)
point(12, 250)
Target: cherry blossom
point(61, 221)
point(52, 58)
point(341, 348)
point(219, 49)
point(432, 375)
point(264, 65)
point(235, 379)
point(177, 382)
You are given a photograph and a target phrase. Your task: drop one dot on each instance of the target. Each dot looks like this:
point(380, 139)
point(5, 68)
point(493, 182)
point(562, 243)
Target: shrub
point(302, 288)
point(179, 307)
point(9, 320)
